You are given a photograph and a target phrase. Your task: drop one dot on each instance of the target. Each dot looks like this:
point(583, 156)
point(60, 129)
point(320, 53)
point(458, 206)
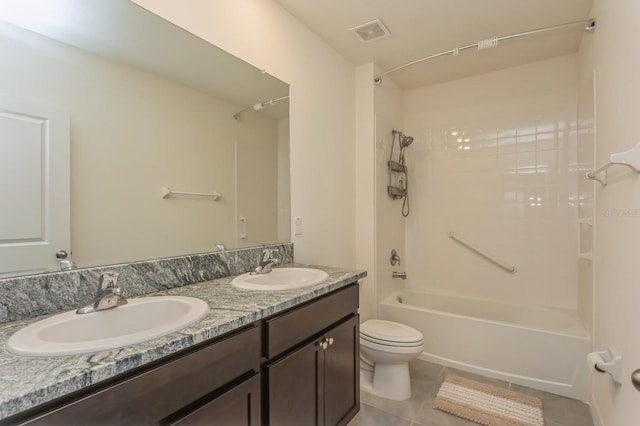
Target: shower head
point(405, 141)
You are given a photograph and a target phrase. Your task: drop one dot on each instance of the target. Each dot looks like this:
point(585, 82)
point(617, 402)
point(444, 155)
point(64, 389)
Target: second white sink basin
point(141, 319)
point(280, 279)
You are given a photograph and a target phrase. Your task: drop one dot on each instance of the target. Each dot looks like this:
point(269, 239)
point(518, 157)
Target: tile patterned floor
point(425, 382)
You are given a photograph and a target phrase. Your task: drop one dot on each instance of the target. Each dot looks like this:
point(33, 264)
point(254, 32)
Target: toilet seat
point(390, 333)
point(366, 340)
point(392, 349)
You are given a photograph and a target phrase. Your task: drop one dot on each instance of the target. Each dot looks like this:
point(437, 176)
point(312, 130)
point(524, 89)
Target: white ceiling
point(421, 28)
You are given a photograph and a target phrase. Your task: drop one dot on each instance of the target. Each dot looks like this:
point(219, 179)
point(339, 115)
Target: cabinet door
point(342, 373)
point(295, 387)
point(239, 406)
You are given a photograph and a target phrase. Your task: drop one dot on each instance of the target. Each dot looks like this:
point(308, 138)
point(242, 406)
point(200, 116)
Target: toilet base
point(390, 381)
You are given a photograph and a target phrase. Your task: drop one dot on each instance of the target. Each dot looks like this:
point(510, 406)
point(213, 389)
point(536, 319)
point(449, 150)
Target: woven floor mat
point(487, 405)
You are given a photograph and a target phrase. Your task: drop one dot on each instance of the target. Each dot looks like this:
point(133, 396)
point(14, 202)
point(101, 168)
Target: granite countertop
point(28, 382)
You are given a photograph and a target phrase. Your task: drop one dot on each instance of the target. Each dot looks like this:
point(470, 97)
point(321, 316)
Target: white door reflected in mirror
point(34, 185)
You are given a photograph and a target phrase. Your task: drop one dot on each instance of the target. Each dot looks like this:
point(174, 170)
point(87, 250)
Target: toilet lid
point(388, 331)
point(368, 341)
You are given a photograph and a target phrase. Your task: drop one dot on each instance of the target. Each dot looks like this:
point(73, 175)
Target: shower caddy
point(399, 172)
point(398, 176)
point(397, 187)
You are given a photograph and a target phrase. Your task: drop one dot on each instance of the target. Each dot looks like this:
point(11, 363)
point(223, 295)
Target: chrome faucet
point(265, 262)
point(109, 295)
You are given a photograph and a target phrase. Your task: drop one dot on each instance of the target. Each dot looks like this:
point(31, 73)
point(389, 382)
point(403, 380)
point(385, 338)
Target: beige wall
point(257, 180)
point(120, 159)
point(365, 190)
point(612, 52)
point(322, 111)
point(390, 224)
point(509, 187)
point(284, 181)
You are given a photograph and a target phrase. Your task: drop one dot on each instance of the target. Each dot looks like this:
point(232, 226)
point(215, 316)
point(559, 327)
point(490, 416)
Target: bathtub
point(542, 348)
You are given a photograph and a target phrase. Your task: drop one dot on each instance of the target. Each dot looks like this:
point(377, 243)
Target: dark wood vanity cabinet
point(316, 381)
point(299, 367)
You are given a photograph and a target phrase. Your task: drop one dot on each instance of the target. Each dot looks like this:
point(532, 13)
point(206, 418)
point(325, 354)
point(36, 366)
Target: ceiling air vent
point(371, 31)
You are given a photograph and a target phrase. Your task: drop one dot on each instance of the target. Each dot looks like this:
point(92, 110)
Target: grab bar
point(489, 257)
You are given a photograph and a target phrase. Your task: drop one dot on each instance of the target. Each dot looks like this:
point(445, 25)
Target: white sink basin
point(142, 319)
point(280, 279)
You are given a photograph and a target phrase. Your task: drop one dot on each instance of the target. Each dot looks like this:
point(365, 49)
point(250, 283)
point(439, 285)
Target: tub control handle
point(395, 259)
point(635, 379)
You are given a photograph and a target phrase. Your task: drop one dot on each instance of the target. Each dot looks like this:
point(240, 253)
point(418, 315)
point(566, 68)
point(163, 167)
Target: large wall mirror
point(150, 108)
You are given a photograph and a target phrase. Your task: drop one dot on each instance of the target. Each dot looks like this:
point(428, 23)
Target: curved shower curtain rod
point(260, 105)
point(589, 26)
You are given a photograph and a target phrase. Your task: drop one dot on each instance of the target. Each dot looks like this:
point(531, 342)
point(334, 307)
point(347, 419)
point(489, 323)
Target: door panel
point(34, 185)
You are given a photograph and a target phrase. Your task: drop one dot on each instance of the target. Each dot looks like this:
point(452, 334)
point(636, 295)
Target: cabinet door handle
point(325, 342)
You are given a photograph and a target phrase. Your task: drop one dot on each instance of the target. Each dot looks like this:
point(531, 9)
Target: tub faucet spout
point(402, 275)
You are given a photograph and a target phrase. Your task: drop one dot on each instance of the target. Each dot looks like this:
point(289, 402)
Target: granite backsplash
point(34, 295)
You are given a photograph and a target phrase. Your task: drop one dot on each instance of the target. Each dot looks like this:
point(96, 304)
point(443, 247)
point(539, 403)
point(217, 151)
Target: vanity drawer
point(293, 327)
point(159, 392)
point(238, 406)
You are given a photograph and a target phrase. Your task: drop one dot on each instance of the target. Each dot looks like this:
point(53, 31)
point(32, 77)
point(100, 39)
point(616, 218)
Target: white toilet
point(386, 348)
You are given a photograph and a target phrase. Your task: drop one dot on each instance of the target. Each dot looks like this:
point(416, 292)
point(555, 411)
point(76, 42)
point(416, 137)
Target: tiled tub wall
point(495, 162)
point(35, 295)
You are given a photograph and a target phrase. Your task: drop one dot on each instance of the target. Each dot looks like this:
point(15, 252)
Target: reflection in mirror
point(150, 106)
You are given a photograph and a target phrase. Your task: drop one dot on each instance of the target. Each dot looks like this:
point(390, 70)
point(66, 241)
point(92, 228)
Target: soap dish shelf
point(395, 192)
point(394, 166)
